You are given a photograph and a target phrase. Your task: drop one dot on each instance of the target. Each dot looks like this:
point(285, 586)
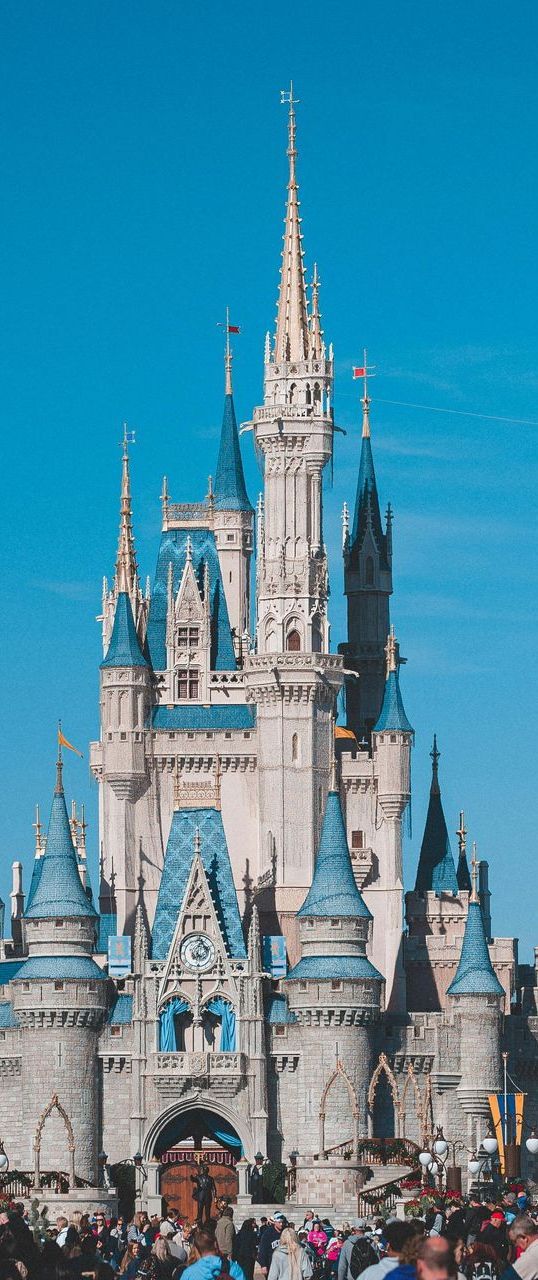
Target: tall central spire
point(292, 339)
point(126, 567)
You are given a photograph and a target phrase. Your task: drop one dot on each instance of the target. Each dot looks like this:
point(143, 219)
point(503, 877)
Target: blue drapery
point(167, 1026)
point(223, 1010)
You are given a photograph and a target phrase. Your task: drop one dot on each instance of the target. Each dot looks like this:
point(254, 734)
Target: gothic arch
point(54, 1105)
point(339, 1073)
point(412, 1082)
point(384, 1067)
point(196, 1100)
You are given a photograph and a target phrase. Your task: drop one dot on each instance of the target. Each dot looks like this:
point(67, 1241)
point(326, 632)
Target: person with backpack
point(396, 1234)
point(356, 1255)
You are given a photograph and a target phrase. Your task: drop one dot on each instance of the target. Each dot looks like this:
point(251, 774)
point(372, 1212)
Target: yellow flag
point(62, 742)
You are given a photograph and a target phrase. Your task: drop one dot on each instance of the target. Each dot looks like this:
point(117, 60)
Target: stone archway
point(54, 1105)
point(384, 1068)
point(412, 1083)
point(338, 1074)
point(182, 1107)
point(171, 1159)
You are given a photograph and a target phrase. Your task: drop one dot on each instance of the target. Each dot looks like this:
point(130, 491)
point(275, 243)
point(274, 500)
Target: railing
point(21, 1185)
point(200, 1064)
point(370, 1203)
point(379, 1151)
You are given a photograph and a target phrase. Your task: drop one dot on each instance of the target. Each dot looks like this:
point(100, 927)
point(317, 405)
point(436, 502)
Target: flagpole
point(505, 1065)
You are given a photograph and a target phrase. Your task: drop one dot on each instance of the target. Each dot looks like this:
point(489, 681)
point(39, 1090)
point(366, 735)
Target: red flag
point(234, 328)
point(359, 373)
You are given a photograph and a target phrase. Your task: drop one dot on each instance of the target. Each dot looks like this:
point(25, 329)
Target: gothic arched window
point(293, 641)
point(369, 571)
point(295, 748)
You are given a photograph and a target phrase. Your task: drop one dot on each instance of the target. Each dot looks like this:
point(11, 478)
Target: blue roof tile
point(173, 551)
point(475, 974)
point(108, 922)
point(8, 969)
point(177, 865)
point(277, 1010)
point(36, 873)
point(323, 967)
point(392, 714)
point(195, 717)
point(436, 871)
point(367, 504)
point(66, 967)
point(124, 648)
point(334, 891)
point(7, 1017)
point(59, 891)
point(230, 488)
point(121, 1013)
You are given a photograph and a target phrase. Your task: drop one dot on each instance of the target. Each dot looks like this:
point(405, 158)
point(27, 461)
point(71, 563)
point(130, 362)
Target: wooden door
point(177, 1188)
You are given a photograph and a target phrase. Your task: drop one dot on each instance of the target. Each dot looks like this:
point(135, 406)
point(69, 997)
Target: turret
point(233, 515)
point(476, 997)
point(125, 683)
point(294, 432)
point(368, 587)
point(334, 983)
point(436, 871)
point(392, 738)
point(60, 998)
point(126, 570)
point(17, 906)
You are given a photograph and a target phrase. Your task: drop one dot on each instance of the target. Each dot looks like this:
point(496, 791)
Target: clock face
point(197, 951)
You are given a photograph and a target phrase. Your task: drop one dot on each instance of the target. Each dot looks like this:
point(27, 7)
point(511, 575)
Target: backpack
point(363, 1255)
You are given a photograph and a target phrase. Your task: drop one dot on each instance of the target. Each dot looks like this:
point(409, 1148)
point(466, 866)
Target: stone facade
point(251, 851)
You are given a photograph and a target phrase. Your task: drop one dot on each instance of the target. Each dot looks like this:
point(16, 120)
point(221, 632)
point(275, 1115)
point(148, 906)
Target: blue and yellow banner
point(507, 1120)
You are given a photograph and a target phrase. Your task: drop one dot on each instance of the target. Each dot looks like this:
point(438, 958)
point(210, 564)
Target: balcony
point(196, 1065)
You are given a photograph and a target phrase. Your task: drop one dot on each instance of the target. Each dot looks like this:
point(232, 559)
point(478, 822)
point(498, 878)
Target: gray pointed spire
point(126, 567)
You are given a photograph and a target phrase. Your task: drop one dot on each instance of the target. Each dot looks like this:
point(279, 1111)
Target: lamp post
point(477, 1161)
point(433, 1158)
point(4, 1159)
point(140, 1174)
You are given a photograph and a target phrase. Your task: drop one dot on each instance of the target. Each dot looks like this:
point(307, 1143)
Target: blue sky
point(143, 175)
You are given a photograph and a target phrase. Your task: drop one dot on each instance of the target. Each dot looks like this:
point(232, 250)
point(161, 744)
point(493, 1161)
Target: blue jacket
point(210, 1267)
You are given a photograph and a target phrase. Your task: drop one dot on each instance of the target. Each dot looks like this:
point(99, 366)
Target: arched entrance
point(185, 1141)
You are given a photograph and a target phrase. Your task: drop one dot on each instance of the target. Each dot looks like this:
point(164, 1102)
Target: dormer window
point(188, 637)
point(188, 684)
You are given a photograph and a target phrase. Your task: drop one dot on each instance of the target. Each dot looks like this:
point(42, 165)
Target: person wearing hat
point(268, 1239)
point(494, 1234)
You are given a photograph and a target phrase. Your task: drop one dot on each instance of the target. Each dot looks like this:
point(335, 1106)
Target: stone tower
point(59, 1000)
point(476, 998)
point(233, 517)
point(368, 587)
point(292, 677)
point(392, 738)
point(334, 996)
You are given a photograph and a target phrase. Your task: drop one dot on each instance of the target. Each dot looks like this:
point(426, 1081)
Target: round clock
point(197, 951)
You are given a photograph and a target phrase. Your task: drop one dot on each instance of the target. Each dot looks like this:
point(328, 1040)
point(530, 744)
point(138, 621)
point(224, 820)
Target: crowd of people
point(468, 1240)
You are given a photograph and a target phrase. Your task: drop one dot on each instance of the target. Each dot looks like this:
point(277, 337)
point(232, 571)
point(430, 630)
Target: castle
point(251, 977)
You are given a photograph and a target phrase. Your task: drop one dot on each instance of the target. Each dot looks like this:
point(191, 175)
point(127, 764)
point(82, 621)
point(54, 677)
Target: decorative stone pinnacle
point(462, 835)
point(474, 876)
point(197, 842)
point(391, 650)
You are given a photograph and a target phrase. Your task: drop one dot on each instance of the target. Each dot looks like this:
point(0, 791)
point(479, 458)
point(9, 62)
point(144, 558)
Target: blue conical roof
point(367, 501)
point(392, 714)
point(463, 875)
point(124, 648)
point(230, 492)
point(333, 891)
point(475, 975)
point(59, 890)
point(436, 871)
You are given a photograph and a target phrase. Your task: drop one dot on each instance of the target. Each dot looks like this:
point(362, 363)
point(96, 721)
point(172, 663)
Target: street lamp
point(532, 1143)
point(433, 1158)
point(4, 1159)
